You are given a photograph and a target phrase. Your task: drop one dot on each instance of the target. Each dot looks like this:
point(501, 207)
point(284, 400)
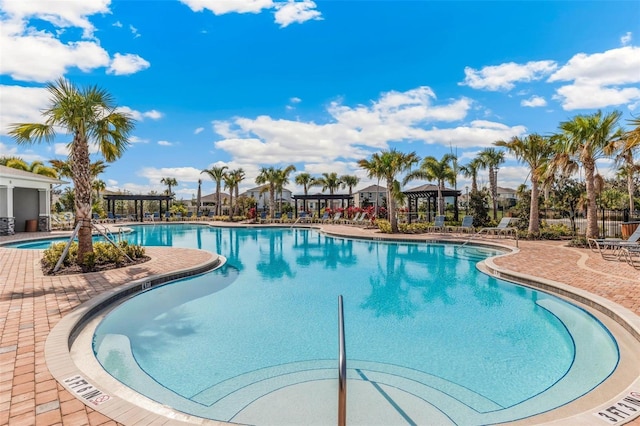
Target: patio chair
point(277, 218)
point(199, 216)
point(211, 215)
point(503, 228)
point(263, 217)
point(336, 218)
point(354, 220)
point(111, 217)
point(614, 248)
point(630, 254)
point(438, 224)
point(466, 226)
point(189, 216)
point(325, 217)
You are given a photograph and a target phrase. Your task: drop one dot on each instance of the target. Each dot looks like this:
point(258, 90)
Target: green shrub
point(103, 254)
point(384, 226)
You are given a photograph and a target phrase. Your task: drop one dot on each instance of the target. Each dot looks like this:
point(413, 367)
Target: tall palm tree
point(439, 170)
point(387, 165)
point(230, 184)
point(535, 151)
point(282, 179)
point(65, 169)
point(269, 176)
point(238, 176)
point(98, 185)
point(331, 182)
point(583, 140)
point(306, 181)
point(624, 149)
point(217, 174)
point(470, 170)
point(491, 158)
point(170, 182)
point(349, 181)
point(89, 114)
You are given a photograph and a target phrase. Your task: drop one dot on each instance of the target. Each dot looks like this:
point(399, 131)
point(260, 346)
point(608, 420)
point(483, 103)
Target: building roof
point(8, 172)
point(211, 198)
point(372, 188)
point(430, 190)
point(260, 188)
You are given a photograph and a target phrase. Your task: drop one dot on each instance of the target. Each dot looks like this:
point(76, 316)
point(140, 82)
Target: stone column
point(7, 220)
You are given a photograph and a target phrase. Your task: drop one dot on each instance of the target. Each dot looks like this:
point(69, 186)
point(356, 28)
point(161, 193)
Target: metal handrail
point(342, 368)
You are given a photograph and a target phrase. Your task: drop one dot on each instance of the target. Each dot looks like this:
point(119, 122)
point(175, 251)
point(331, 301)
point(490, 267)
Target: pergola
point(430, 193)
point(112, 198)
point(319, 197)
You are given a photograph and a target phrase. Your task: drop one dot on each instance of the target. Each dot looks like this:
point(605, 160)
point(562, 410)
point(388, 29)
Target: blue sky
point(253, 83)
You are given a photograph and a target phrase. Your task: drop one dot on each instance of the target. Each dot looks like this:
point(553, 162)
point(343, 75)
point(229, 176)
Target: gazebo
point(322, 197)
point(430, 193)
point(112, 198)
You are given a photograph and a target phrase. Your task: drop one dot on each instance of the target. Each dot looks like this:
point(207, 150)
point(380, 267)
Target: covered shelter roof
point(139, 213)
point(430, 191)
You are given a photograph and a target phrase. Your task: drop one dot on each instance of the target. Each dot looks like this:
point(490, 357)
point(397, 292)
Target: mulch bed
point(76, 269)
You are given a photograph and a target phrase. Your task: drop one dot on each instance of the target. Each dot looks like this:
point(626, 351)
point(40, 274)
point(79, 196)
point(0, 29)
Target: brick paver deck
point(31, 304)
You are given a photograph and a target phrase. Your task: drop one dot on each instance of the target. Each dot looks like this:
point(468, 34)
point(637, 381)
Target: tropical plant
point(440, 171)
point(89, 114)
point(306, 181)
point(170, 182)
point(583, 140)
point(349, 181)
point(217, 174)
point(387, 165)
point(470, 170)
point(282, 179)
point(330, 182)
point(535, 151)
point(98, 185)
point(238, 177)
point(491, 158)
point(269, 176)
point(624, 149)
point(36, 167)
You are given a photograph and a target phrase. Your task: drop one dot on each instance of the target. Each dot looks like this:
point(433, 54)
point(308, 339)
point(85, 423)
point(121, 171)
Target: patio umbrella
point(199, 196)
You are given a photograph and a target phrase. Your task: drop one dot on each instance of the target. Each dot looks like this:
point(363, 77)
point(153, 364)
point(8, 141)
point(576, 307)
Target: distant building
point(261, 195)
point(367, 196)
point(507, 197)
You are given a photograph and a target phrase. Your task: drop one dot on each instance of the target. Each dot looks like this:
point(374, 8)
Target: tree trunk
point(534, 209)
point(218, 198)
point(272, 201)
point(391, 204)
point(82, 184)
point(474, 184)
point(631, 187)
point(494, 191)
point(592, 216)
point(440, 198)
point(231, 205)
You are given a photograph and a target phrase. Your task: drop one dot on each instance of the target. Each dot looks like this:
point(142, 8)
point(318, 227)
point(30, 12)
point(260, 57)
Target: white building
point(367, 196)
point(25, 201)
point(261, 195)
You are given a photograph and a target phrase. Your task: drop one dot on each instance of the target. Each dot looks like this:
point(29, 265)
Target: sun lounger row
point(618, 249)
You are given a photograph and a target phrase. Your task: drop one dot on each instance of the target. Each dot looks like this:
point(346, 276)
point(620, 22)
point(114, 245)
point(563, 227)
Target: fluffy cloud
point(626, 39)
point(503, 77)
point(198, 130)
point(296, 12)
point(36, 53)
point(534, 101)
point(127, 64)
point(599, 79)
point(21, 105)
point(181, 174)
point(286, 13)
point(139, 115)
point(165, 143)
point(355, 132)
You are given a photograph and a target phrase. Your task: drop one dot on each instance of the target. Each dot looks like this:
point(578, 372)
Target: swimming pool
point(427, 334)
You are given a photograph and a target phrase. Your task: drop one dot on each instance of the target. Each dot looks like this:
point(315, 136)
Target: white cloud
point(296, 12)
point(220, 7)
point(165, 143)
point(534, 101)
point(62, 14)
point(136, 139)
point(28, 155)
point(112, 182)
point(134, 31)
point(181, 174)
point(295, 100)
point(355, 132)
point(139, 115)
point(127, 64)
point(599, 79)
point(21, 105)
point(626, 39)
point(503, 77)
point(198, 130)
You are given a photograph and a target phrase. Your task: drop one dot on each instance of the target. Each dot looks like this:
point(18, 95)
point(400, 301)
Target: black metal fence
point(610, 222)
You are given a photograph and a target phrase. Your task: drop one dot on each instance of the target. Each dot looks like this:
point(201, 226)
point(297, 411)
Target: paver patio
point(31, 304)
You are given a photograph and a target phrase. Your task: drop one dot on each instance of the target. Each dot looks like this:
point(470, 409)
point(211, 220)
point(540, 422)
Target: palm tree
point(387, 165)
point(491, 158)
point(349, 181)
point(89, 114)
point(471, 171)
point(535, 151)
point(64, 168)
point(230, 184)
point(269, 176)
point(440, 171)
point(306, 181)
point(624, 149)
point(282, 179)
point(238, 176)
point(169, 181)
point(583, 140)
point(217, 174)
point(331, 182)
point(98, 185)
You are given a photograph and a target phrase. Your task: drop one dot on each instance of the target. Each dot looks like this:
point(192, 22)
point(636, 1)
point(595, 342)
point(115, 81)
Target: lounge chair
point(354, 220)
point(189, 216)
point(263, 217)
point(336, 218)
point(613, 248)
point(199, 216)
point(467, 225)
point(325, 217)
point(503, 228)
point(277, 218)
point(438, 224)
point(211, 215)
point(630, 253)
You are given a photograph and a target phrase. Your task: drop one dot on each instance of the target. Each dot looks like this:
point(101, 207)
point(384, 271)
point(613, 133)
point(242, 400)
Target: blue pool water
point(419, 317)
